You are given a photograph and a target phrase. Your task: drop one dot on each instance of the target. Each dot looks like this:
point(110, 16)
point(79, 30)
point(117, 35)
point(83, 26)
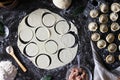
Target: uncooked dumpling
point(62, 4)
point(112, 47)
point(119, 57)
point(104, 8)
point(95, 36)
point(93, 13)
point(119, 36)
point(103, 28)
point(115, 26)
point(115, 7)
point(103, 18)
point(93, 26)
point(113, 16)
point(110, 38)
point(101, 44)
point(110, 59)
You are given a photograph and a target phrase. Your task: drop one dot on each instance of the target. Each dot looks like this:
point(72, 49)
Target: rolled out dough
point(45, 35)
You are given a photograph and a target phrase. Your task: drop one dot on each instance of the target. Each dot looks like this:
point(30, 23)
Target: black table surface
point(77, 13)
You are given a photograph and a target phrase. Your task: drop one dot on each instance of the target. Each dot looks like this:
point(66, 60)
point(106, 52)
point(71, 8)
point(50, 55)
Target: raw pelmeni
point(104, 8)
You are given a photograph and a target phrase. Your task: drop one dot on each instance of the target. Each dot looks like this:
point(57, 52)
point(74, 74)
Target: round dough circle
point(62, 4)
point(112, 47)
point(93, 13)
point(23, 35)
point(103, 28)
point(65, 55)
point(43, 60)
point(62, 27)
point(34, 19)
point(48, 19)
point(103, 18)
point(68, 40)
point(51, 46)
point(110, 59)
point(115, 26)
point(42, 33)
point(31, 49)
point(115, 7)
point(104, 8)
point(101, 44)
point(110, 38)
point(93, 26)
point(113, 16)
point(95, 36)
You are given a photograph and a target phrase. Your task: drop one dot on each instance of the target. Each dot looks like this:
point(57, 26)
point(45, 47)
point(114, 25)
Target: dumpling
point(62, 4)
point(110, 38)
point(112, 47)
point(104, 8)
point(103, 18)
point(93, 26)
point(101, 44)
point(94, 13)
point(95, 36)
point(103, 28)
point(115, 26)
point(119, 36)
point(113, 16)
point(115, 7)
point(110, 59)
point(119, 57)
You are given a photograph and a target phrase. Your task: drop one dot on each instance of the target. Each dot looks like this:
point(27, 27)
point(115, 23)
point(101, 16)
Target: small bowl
point(5, 34)
point(83, 67)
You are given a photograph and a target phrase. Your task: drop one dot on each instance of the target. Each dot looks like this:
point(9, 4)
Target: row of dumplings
point(104, 8)
point(93, 26)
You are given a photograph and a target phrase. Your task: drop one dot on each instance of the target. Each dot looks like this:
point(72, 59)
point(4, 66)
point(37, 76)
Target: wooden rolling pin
point(10, 50)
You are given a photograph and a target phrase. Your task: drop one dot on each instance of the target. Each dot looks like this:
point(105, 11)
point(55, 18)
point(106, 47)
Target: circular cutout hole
point(31, 49)
point(42, 33)
point(65, 55)
point(62, 27)
point(26, 35)
point(43, 60)
point(51, 46)
point(48, 19)
point(68, 40)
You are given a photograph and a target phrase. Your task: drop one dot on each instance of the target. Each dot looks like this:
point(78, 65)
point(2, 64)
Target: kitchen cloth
point(100, 72)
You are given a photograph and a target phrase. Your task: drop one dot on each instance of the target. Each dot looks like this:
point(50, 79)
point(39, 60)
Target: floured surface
point(50, 40)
